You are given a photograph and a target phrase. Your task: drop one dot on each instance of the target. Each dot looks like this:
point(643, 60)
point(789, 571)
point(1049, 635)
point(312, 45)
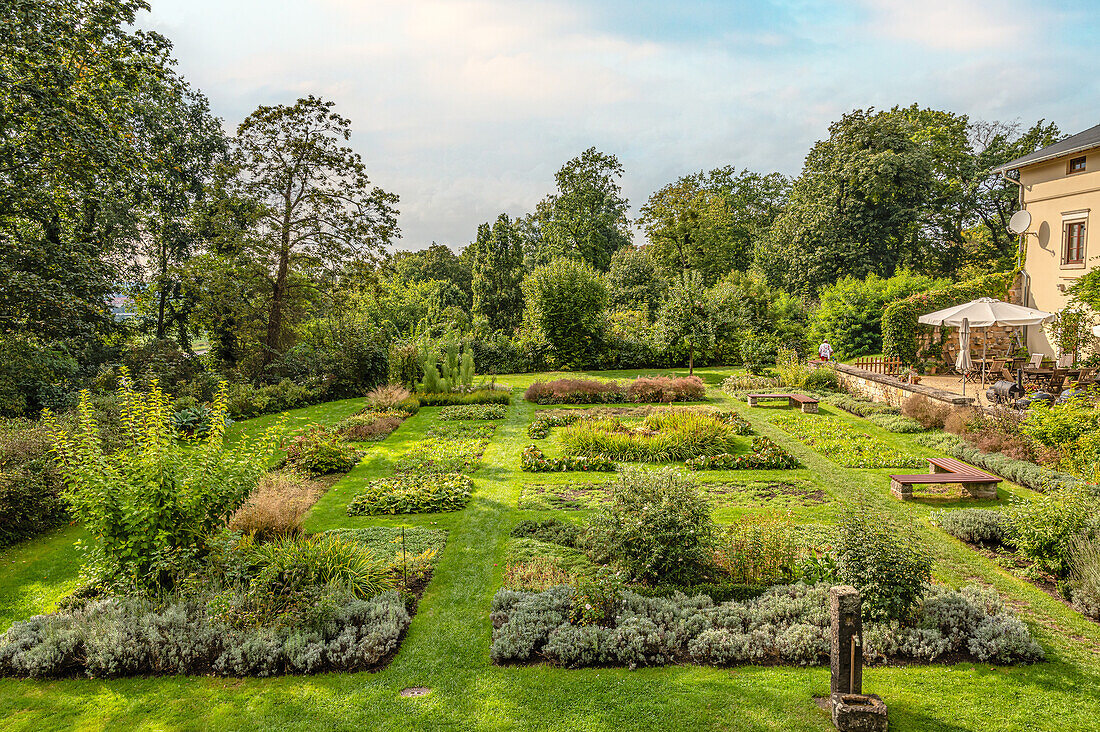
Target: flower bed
point(846, 445)
point(473, 411)
point(662, 436)
point(765, 455)
point(534, 461)
point(641, 390)
point(540, 428)
point(412, 494)
point(474, 430)
point(785, 625)
point(580, 496)
point(442, 456)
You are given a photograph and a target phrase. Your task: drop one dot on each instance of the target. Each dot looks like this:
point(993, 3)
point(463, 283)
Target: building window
point(1077, 165)
point(1075, 243)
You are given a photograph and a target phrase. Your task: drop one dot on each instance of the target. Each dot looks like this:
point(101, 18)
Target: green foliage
point(896, 423)
point(791, 368)
point(534, 461)
point(752, 319)
point(442, 456)
point(481, 396)
point(154, 504)
point(595, 600)
point(765, 455)
point(823, 378)
point(30, 486)
point(1044, 529)
point(404, 364)
point(657, 526)
point(586, 219)
point(633, 283)
point(1084, 579)
point(336, 217)
point(850, 312)
point(1071, 330)
point(291, 564)
point(540, 428)
point(858, 406)
point(395, 541)
point(1060, 425)
point(566, 300)
point(661, 436)
point(686, 322)
point(900, 328)
point(321, 451)
point(845, 444)
point(244, 400)
point(473, 411)
point(710, 222)
point(886, 563)
point(759, 551)
point(496, 261)
point(553, 531)
point(33, 376)
point(402, 494)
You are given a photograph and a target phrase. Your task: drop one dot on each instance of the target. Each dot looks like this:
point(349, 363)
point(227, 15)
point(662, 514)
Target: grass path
point(447, 646)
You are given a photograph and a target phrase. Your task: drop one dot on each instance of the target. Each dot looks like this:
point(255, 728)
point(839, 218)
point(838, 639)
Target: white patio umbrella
point(983, 313)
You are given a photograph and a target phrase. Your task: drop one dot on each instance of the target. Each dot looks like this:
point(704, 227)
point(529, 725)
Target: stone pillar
point(847, 627)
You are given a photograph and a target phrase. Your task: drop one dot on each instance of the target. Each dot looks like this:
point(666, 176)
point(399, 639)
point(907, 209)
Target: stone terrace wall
point(890, 389)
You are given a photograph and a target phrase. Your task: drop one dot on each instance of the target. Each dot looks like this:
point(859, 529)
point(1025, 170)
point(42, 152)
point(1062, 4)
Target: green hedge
point(481, 396)
point(899, 321)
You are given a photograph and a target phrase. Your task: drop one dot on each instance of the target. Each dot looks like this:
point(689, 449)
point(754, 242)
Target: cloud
point(465, 108)
point(957, 25)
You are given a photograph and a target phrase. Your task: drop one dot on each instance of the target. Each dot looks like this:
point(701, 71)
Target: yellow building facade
point(1060, 188)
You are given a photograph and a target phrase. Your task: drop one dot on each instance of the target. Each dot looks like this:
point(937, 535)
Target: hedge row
point(899, 321)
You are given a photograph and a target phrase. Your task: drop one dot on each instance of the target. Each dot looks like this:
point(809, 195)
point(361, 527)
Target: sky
point(466, 108)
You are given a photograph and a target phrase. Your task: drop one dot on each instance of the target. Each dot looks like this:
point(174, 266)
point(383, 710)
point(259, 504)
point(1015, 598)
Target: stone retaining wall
point(890, 389)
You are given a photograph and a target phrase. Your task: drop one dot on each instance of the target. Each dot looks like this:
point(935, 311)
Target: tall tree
point(586, 218)
point(76, 81)
point(633, 282)
point(709, 222)
point(496, 262)
point(686, 323)
point(566, 304)
point(320, 211)
point(437, 262)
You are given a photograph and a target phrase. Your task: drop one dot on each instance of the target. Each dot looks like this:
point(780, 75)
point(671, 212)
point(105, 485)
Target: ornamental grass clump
point(661, 436)
point(154, 504)
point(277, 506)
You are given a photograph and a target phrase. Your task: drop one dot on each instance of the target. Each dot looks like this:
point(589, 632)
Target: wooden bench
point(808, 404)
point(947, 470)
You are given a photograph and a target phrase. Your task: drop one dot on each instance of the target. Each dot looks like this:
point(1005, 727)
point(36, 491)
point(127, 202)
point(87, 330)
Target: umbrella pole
point(985, 334)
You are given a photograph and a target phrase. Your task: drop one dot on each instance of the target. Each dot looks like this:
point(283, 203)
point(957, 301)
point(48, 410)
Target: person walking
point(825, 351)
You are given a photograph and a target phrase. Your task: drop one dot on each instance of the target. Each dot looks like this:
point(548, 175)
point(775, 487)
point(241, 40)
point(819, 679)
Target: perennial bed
point(534, 461)
point(661, 436)
point(442, 456)
point(473, 411)
point(844, 444)
point(580, 496)
point(398, 494)
point(641, 390)
point(765, 455)
point(785, 625)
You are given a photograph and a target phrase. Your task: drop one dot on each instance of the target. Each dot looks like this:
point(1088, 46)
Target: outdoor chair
point(1035, 361)
point(1086, 378)
point(1065, 361)
point(1055, 383)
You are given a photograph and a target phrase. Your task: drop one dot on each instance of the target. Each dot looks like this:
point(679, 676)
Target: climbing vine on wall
point(900, 329)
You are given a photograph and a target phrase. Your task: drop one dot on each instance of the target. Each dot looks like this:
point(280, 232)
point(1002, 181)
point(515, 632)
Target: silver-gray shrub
point(124, 637)
point(788, 624)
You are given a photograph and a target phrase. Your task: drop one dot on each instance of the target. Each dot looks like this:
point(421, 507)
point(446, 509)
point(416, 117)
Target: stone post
point(846, 655)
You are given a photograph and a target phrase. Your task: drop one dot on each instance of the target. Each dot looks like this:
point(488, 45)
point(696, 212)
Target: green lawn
point(447, 647)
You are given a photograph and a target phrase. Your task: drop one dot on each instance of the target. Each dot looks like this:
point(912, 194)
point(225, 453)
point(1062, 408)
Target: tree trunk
point(691, 360)
point(275, 315)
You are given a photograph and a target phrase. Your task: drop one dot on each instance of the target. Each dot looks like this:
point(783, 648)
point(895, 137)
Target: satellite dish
point(1020, 222)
